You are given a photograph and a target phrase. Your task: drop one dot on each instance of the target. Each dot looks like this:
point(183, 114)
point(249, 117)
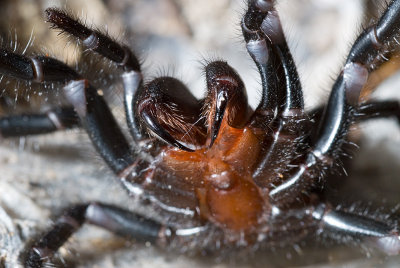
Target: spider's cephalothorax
point(251, 175)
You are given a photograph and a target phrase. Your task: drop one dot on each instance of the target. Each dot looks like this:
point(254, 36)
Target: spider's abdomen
point(221, 176)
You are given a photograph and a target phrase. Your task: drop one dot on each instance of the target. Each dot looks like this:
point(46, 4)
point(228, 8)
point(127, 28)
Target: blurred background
point(41, 175)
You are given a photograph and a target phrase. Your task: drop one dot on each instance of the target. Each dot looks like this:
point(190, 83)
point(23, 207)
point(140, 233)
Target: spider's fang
point(158, 130)
point(220, 107)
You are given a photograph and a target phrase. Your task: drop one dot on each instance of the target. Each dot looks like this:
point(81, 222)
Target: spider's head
point(170, 112)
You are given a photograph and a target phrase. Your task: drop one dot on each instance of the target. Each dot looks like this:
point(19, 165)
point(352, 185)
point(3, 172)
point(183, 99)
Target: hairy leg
point(119, 221)
point(281, 108)
point(339, 112)
point(38, 123)
point(381, 234)
point(112, 50)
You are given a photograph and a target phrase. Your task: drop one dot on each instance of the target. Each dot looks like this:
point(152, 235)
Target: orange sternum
point(221, 176)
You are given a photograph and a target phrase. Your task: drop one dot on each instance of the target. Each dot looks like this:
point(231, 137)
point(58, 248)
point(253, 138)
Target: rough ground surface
point(41, 175)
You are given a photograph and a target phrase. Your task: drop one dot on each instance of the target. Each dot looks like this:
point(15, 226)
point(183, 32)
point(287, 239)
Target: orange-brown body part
point(222, 179)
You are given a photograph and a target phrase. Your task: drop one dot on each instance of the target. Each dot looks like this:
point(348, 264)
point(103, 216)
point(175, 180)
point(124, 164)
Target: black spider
point(242, 177)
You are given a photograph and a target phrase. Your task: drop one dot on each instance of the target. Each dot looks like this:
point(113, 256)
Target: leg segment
point(381, 109)
point(340, 225)
point(267, 46)
point(339, 113)
point(94, 114)
point(110, 49)
point(35, 69)
point(32, 124)
point(366, 111)
point(99, 123)
point(93, 40)
point(281, 108)
point(114, 219)
point(382, 235)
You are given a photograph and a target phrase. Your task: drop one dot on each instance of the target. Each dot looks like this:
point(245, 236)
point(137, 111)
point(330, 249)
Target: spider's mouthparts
point(220, 107)
point(158, 130)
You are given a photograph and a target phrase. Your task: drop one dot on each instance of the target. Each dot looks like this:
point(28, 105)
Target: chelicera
point(245, 177)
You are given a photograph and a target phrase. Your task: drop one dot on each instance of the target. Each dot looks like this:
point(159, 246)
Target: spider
point(239, 176)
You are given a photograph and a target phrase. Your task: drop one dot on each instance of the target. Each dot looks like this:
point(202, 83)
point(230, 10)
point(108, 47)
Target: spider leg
point(379, 233)
point(110, 49)
point(266, 44)
point(281, 107)
point(346, 91)
point(98, 121)
point(35, 69)
point(378, 109)
point(366, 111)
point(342, 104)
point(339, 224)
point(119, 221)
point(39, 123)
point(93, 112)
